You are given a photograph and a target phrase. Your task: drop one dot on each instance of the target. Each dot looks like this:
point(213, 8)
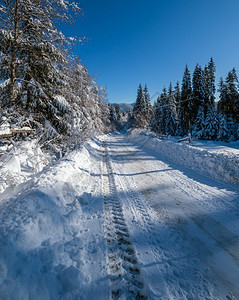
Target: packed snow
point(215, 159)
point(124, 216)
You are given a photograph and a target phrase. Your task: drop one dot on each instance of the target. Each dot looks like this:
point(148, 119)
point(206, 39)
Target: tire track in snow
point(223, 237)
point(125, 274)
point(145, 219)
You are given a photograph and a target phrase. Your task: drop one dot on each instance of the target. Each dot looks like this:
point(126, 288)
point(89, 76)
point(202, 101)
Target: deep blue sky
point(151, 41)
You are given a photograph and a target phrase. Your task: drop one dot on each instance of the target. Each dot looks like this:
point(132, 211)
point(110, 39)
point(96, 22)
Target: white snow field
point(124, 217)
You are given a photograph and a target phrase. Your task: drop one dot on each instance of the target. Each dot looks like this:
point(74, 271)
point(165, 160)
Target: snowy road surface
point(118, 221)
point(184, 227)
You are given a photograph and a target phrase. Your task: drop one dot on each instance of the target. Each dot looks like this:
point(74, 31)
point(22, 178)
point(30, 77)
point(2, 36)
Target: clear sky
point(151, 41)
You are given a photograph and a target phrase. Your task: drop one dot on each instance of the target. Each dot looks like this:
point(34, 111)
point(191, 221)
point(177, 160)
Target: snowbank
point(44, 231)
point(5, 129)
point(221, 164)
point(22, 161)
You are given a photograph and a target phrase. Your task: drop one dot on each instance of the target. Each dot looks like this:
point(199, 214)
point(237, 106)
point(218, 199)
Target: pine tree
point(156, 116)
point(211, 83)
point(232, 93)
point(222, 95)
point(211, 126)
point(198, 92)
point(186, 101)
point(140, 117)
point(177, 93)
point(35, 54)
point(199, 124)
point(229, 95)
point(163, 109)
point(223, 132)
point(148, 106)
point(232, 129)
point(139, 104)
point(206, 90)
point(160, 112)
point(171, 113)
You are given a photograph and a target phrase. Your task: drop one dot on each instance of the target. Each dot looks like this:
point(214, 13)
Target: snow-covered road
point(183, 226)
point(116, 220)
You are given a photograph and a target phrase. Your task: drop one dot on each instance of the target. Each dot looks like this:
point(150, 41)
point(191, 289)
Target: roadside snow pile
point(46, 249)
point(221, 164)
point(23, 160)
point(5, 128)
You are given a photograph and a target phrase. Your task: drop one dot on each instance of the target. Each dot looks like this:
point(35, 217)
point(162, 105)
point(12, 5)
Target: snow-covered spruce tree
point(211, 83)
point(199, 124)
point(232, 129)
point(32, 56)
point(154, 121)
point(148, 105)
point(222, 95)
point(155, 124)
point(177, 94)
point(228, 90)
point(211, 126)
point(198, 92)
point(206, 82)
point(171, 113)
point(158, 119)
point(223, 132)
point(186, 103)
point(140, 117)
point(163, 109)
point(138, 107)
point(209, 86)
point(232, 92)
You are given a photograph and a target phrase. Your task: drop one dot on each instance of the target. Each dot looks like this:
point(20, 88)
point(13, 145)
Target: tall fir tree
point(211, 126)
point(198, 92)
point(148, 105)
point(171, 113)
point(139, 104)
point(186, 103)
point(155, 124)
point(140, 116)
point(177, 93)
point(199, 124)
point(229, 95)
point(223, 132)
point(164, 108)
point(211, 83)
point(206, 89)
point(222, 95)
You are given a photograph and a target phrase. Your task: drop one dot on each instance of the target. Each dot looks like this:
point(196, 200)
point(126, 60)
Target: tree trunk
point(14, 50)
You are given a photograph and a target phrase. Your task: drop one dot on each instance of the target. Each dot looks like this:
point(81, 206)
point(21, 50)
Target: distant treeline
point(191, 107)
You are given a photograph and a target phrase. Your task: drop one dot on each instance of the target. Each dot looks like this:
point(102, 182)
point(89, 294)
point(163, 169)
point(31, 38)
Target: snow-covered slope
point(212, 159)
point(46, 249)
